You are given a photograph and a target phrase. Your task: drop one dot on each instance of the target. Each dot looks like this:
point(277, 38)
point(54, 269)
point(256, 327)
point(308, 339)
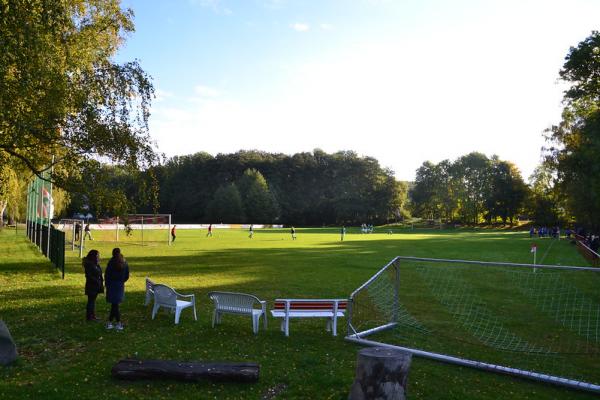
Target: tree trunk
point(185, 371)
point(381, 373)
point(3, 204)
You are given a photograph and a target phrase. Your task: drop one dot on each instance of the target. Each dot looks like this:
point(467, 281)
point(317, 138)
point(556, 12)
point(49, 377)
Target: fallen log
point(131, 369)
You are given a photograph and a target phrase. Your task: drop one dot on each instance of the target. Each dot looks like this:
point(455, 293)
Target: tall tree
point(226, 205)
point(60, 92)
point(258, 201)
point(576, 139)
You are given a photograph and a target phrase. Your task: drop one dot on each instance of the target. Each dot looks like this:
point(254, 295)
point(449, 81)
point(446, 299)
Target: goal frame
point(359, 337)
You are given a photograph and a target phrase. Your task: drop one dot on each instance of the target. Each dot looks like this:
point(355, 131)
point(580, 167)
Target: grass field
point(63, 357)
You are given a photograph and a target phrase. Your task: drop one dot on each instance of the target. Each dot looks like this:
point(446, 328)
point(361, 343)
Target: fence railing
point(55, 252)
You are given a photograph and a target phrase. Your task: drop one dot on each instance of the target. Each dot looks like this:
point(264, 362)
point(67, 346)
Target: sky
point(403, 81)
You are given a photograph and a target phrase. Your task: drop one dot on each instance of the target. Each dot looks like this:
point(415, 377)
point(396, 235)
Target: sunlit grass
point(64, 357)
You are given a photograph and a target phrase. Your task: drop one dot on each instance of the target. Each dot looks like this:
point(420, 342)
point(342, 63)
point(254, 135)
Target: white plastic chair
point(149, 291)
point(238, 304)
point(167, 297)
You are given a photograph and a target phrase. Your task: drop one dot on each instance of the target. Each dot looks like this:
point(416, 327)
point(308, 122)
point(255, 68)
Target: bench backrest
point(311, 304)
point(164, 295)
point(240, 302)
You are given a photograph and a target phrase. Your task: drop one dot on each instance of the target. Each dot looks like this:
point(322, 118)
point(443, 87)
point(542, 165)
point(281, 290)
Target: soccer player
point(87, 232)
point(343, 232)
point(209, 231)
point(173, 233)
point(251, 230)
point(293, 231)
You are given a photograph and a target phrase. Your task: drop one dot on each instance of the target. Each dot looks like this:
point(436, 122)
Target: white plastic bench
point(238, 304)
point(149, 291)
point(309, 308)
point(167, 297)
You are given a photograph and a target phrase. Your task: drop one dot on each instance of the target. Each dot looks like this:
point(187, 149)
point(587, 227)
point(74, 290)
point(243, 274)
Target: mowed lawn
point(63, 357)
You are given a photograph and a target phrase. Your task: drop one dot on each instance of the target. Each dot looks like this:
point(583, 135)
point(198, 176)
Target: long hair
point(92, 256)
point(117, 259)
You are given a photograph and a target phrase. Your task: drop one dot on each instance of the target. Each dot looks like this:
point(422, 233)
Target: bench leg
point(214, 321)
point(255, 321)
point(177, 315)
point(287, 326)
point(334, 326)
point(328, 325)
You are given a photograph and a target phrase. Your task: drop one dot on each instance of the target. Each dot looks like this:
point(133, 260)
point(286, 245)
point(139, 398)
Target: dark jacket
point(115, 282)
point(94, 283)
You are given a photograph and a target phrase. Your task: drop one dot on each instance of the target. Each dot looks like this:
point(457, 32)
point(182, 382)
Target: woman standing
point(93, 282)
point(117, 273)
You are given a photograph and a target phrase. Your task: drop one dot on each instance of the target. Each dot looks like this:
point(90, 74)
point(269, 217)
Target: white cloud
point(300, 27)
point(326, 27)
point(205, 91)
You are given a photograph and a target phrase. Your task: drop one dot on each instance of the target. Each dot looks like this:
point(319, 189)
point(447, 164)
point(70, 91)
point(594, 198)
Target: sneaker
point(119, 327)
point(109, 325)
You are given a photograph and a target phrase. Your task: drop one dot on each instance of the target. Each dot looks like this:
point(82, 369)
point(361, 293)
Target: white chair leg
point(195, 317)
point(265, 320)
point(214, 318)
point(155, 310)
point(255, 323)
point(177, 315)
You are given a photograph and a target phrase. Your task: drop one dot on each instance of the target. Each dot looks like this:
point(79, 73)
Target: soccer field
point(63, 357)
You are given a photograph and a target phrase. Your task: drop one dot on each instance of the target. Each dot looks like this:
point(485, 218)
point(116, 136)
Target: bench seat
point(331, 309)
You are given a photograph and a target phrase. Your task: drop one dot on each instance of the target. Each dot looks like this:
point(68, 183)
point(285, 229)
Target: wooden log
point(131, 369)
point(8, 348)
point(381, 373)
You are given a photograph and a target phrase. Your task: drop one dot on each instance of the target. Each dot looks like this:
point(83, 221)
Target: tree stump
point(381, 374)
point(185, 371)
point(8, 349)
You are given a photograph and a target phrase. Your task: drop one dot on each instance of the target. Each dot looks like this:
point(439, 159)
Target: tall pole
point(49, 211)
point(169, 231)
point(117, 229)
point(27, 209)
point(142, 230)
point(35, 184)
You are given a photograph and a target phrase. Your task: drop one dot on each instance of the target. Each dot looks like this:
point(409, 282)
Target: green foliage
point(303, 189)
point(62, 95)
point(259, 203)
point(575, 149)
point(226, 205)
point(469, 188)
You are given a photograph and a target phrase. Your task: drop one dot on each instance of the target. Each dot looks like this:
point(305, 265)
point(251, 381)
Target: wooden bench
point(309, 308)
point(238, 304)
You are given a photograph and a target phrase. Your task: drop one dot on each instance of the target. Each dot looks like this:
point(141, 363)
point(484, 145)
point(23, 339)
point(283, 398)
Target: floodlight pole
point(169, 231)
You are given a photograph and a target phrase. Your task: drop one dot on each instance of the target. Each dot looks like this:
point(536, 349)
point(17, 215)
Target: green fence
point(38, 235)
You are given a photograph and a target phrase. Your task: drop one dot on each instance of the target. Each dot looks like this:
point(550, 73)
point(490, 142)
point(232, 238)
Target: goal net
point(73, 229)
point(135, 229)
point(539, 322)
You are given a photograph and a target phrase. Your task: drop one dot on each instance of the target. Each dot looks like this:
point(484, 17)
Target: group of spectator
point(544, 231)
point(591, 240)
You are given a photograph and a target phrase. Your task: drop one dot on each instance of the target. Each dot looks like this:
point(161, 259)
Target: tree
point(258, 201)
point(61, 94)
point(575, 148)
point(472, 173)
point(226, 205)
point(507, 191)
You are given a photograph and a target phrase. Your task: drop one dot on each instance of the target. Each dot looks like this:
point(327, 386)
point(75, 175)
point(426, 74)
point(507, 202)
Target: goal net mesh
point(543, 320)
